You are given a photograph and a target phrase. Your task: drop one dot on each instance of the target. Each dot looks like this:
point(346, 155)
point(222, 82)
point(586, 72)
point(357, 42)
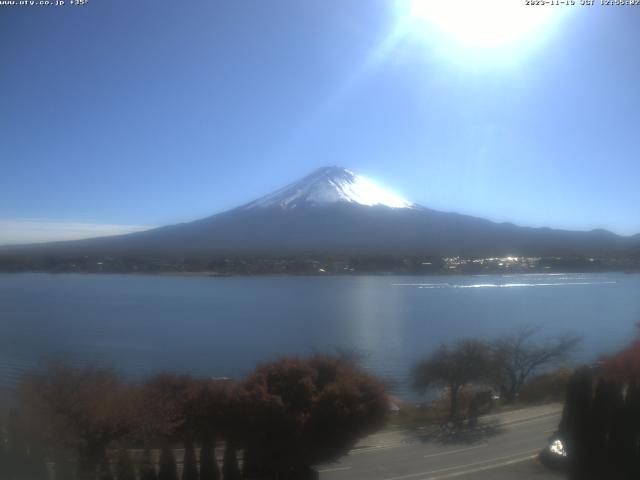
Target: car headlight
point(557, 448)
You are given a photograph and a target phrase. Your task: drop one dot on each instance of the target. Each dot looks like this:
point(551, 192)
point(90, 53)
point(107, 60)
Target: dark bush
point(547, 387)
point(303, 412)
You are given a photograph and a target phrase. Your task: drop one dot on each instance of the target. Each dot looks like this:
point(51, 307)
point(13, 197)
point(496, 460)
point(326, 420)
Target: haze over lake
point(223, 326)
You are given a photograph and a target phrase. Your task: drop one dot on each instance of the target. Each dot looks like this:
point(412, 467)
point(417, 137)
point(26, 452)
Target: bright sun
point(480, 24)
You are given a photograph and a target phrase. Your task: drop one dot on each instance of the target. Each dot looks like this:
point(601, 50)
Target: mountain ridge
point(334, 211)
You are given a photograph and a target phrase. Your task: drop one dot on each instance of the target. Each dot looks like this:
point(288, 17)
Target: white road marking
point(335, 469)
point(531, 419)
point(426, 477)
point(375, 448)
point(517, 415)
point(485, 468)
point(449, 452)
point(386, 446)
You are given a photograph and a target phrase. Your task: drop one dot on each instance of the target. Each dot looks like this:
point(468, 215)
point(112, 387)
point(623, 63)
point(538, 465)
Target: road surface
point(504, 448)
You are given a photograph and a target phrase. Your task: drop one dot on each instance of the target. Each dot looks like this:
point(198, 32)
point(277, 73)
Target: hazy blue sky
point(154, 112)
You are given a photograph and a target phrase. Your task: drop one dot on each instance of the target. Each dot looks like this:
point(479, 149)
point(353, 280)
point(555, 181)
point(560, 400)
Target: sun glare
point(479, 24)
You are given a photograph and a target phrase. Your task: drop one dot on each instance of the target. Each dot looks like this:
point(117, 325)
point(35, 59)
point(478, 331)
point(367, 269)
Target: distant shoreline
point(318, 264)
point(213, 274)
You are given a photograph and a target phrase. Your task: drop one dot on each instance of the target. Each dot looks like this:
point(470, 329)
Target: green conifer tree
point(190, 462)
point(168, 469)
point(124, 466)
point(620, 442)
point(36, 462)
point(208, 465)
point(104, 470)
point(251, 461)
point(147, 467)
point(575, 423)
point(633, 407)
point(17, 446)
point(599, 428)
point(4, 457)
point(230, 469)
point(63, 467)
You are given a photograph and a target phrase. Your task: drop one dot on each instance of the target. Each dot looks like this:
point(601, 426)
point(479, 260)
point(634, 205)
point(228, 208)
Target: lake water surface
point(224, 326)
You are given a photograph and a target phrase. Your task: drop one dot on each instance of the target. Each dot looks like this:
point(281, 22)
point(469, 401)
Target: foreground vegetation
point(285, 417)
point(291, 414)
point(600, 425)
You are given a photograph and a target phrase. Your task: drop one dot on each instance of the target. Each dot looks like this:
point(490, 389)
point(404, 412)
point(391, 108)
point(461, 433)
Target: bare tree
point(517, 356)
point(453, 367)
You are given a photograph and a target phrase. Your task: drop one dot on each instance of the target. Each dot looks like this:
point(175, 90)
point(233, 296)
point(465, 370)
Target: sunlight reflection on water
point(224, 326)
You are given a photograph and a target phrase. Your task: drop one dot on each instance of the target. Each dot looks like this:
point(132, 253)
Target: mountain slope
point(334, 211)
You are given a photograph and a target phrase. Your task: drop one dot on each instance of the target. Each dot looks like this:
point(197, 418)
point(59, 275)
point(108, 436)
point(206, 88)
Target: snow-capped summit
point(360, 219)
point(330, 185)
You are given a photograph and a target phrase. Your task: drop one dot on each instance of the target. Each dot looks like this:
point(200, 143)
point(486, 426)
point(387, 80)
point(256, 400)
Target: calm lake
point(224, 326)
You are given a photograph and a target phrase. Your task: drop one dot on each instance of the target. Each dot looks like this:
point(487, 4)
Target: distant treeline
point(314, 264)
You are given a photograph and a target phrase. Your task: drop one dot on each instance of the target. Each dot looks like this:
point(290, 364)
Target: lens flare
point(480, 24)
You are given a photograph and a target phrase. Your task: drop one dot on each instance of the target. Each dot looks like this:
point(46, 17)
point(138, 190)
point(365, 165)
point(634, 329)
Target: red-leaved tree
point(300, 412)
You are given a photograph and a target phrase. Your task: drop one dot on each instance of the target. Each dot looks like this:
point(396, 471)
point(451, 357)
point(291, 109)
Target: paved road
point(505, 449)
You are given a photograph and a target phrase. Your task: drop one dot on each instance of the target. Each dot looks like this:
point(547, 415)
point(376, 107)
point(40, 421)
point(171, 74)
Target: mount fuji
point(330, 185)
point(334, 211)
